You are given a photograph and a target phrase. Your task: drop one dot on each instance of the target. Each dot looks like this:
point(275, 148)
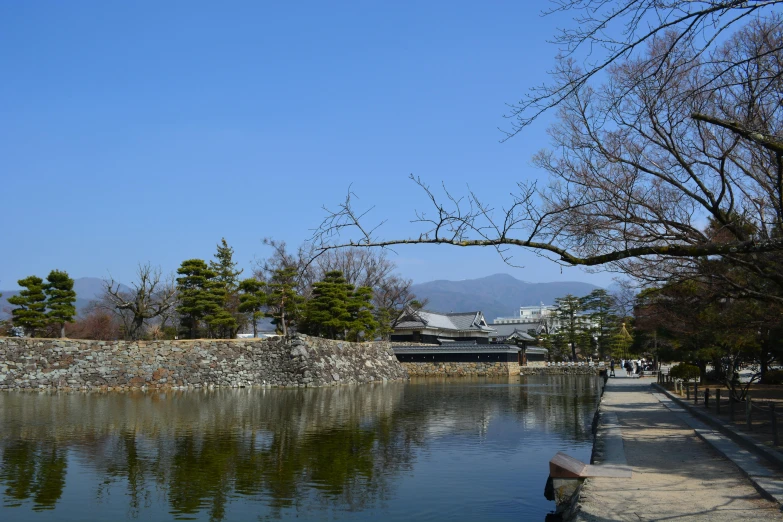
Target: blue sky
point(146, 131)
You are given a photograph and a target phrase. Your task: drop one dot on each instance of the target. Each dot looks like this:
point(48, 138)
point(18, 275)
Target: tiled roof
point(452, 321)
point(505, 330)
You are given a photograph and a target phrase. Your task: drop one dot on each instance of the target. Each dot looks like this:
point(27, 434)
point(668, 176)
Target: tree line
point(351, 295)
point(44, 307)
point(596, 325)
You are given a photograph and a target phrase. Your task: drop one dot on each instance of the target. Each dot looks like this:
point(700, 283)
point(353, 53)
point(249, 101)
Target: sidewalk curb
point(767, 487)
point(770, 455)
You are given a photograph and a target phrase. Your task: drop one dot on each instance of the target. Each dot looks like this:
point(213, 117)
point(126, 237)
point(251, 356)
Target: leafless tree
point(282, 257)
point(150, 296)
point(360, 266)
point(96, 323)
point(647, 171)
point(607, 32)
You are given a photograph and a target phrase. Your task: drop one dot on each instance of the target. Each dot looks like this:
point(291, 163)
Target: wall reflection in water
point(283, 453)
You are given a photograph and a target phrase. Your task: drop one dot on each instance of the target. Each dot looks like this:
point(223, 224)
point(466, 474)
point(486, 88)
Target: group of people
point(632, 368)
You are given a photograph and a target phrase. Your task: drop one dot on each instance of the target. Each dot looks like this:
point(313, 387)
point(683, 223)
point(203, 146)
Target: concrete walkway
point(676, 475)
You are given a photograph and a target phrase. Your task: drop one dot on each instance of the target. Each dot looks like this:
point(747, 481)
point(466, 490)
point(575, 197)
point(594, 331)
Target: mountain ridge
point(496, 295)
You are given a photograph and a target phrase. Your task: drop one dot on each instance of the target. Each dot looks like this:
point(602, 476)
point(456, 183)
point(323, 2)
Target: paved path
point(676, 475)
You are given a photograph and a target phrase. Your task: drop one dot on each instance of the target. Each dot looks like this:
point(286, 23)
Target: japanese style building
point(517, 334)
point(421, 326)
point(460, 358)
point(431, 343)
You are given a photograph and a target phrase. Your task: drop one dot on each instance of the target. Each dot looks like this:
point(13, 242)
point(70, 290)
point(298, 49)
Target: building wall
point(121, 365)
point(433, 338)
point(458, 357)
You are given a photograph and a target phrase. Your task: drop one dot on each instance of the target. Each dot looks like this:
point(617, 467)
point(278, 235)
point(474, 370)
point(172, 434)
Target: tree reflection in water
point(199, 452)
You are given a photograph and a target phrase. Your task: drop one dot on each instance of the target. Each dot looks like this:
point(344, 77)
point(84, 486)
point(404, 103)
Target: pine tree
point(221, 322)
point(600, 305)
point(568, 309)
point(31, 302)
point(225, 267)
point(338, 311)
point(284, 302)
point(362, 322)
point(620, 342)
point(226, 287)
point(197, 299)
point(252, 300)
point(60, 298)
point(326, 313)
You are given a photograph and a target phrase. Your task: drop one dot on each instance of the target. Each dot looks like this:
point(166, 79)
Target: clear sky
point(146, 131)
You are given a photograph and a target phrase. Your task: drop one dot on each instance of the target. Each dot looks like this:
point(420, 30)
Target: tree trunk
point(62, 331)
point(138, 323)
point(255, 327)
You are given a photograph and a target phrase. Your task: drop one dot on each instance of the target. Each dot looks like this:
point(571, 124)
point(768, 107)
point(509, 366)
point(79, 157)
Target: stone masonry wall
point(561, 370)
point(458, 369)
point(121, 365)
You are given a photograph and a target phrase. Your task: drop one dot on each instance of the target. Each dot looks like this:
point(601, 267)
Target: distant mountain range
point(498, 295)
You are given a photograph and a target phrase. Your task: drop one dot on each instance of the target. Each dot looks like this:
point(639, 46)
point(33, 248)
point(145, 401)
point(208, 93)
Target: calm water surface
point(451, 450)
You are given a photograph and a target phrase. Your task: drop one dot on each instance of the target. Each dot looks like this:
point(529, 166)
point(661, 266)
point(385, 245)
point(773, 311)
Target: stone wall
point(122, 365)
point(459, 369)
point(561, 370)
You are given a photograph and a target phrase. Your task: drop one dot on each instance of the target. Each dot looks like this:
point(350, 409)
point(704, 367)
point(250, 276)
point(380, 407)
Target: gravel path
point(676, 476)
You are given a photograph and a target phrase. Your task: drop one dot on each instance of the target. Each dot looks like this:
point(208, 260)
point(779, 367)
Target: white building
point(529, 314)
point(541, 318)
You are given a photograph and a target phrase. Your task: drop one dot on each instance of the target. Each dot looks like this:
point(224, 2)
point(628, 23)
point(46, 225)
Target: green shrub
point(773, 377)
point(685, 372)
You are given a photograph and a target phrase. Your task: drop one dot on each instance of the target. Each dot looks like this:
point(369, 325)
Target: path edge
point(761, 450)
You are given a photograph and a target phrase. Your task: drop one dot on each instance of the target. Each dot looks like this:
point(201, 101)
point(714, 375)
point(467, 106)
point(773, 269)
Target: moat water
point(450, 450)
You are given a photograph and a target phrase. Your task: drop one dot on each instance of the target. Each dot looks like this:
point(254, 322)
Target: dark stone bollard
point(748, 413)
point(687, 391)
point(695, 393)
point(706, 398)
point(774, 420)
point(731, 408)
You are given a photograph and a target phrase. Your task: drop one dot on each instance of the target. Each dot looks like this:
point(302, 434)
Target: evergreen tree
point(363, 322)
point(221, 322)
point(252, 299)
point(620, 342)
point(568, 309)
point(326, 313)
point(284, 302)
point(224, 266)
point(600, 305)
point(225, 288)
point(31, 302)
point(338, 311)
point(60, 298)
point(197, 298)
